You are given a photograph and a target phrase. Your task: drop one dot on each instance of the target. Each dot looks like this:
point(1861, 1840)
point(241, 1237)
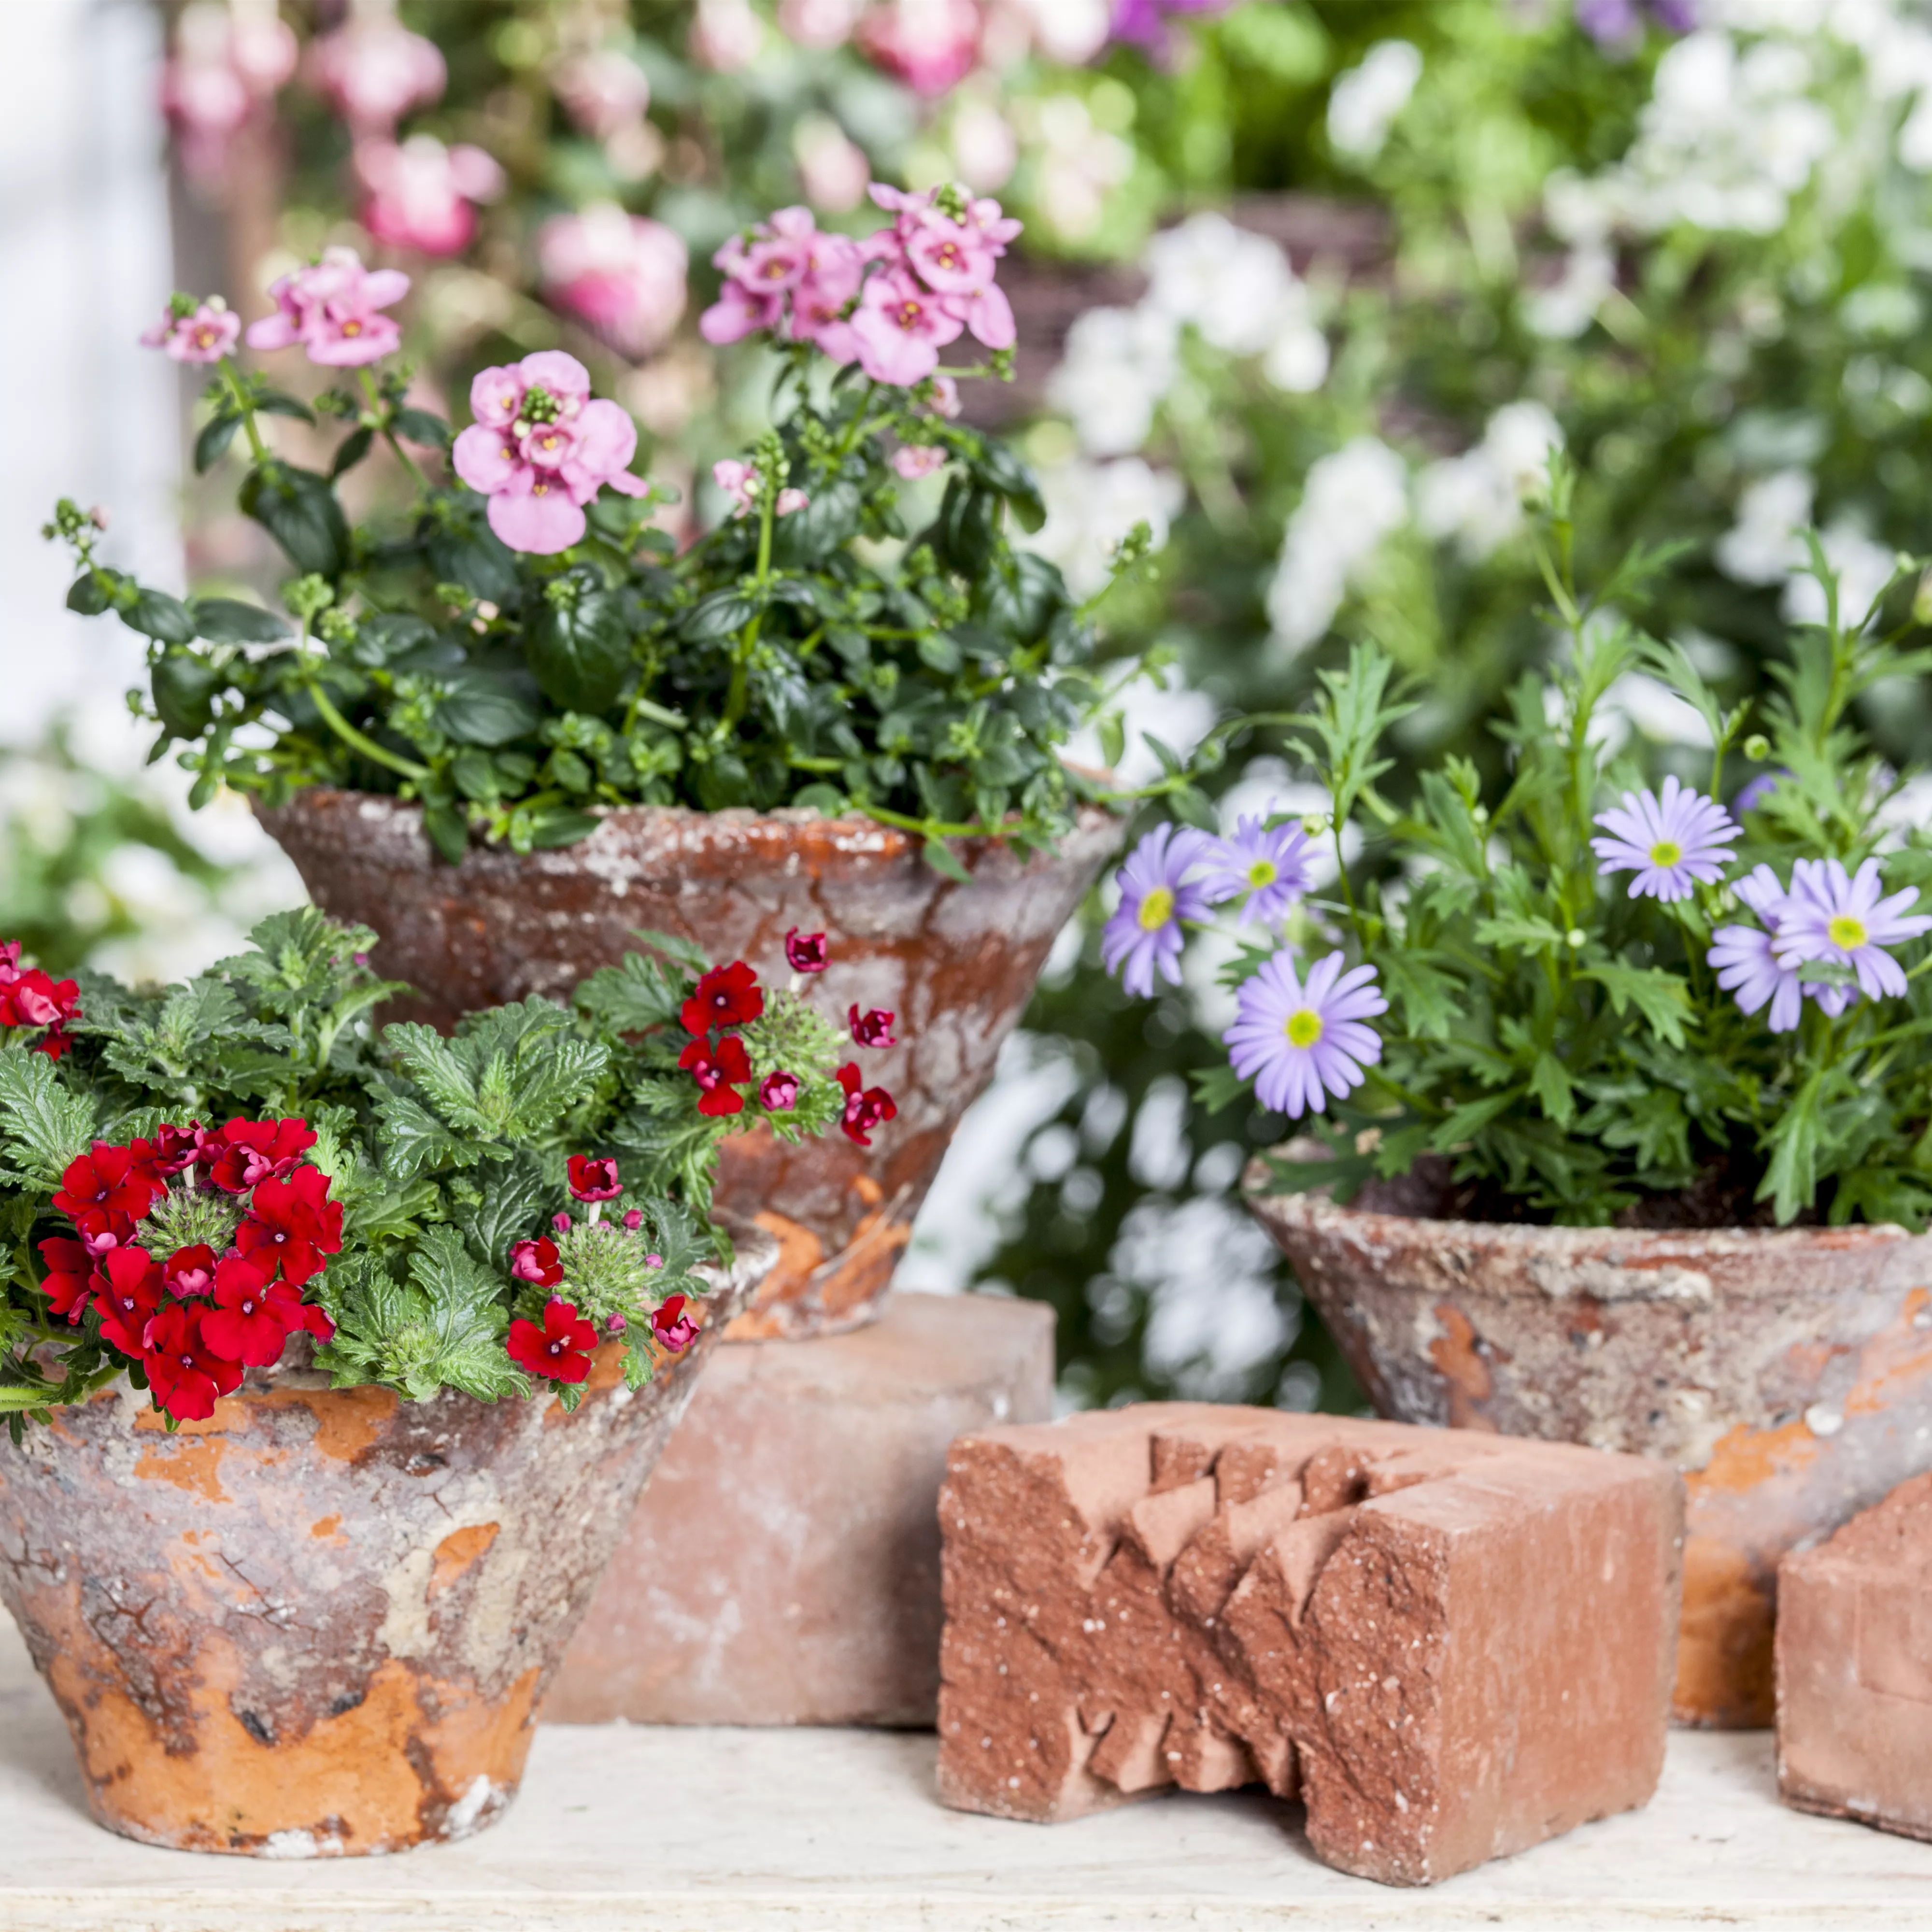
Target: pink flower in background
point(985, 148)
point(1145, 23)
point(833, 168)
point(373, 70)
point(930, 45)
point(622, 274)
point(603, 92)
point(913, 460)
point(946, 401)
point(225, 60)
point(191, 332)
point(332, 310)
point(540, 449)
point(819, 23)
point(740, 482)
point(726, 35)
point(422, 194)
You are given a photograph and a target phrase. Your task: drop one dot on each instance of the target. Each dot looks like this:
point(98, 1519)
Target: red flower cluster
point(727, 996)
point(866, 1108)
point(560, 1350)
point(195, 1320)
point(31, 999)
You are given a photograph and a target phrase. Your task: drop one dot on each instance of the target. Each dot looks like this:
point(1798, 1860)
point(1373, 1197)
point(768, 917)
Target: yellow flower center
point(1156, 909)
point(352, 328)
point(1303, 1028)
point(1848, 933)
point(1261, 873)
point(1666, 852)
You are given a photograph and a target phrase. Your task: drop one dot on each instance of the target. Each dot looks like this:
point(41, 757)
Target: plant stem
point(384, 415)
point(239, 394)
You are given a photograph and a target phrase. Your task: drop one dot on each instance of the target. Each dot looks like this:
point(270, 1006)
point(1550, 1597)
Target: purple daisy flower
point(1155, 895)
point(1669, 841)
point(1746, 956)
point(1837, 920)
point(1271, 867)
point(1299, 1043)
point(1753, 793)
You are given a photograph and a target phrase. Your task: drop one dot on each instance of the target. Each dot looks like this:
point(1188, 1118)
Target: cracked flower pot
point(956, 963)
point(321, 1621)
point(1787, 1373)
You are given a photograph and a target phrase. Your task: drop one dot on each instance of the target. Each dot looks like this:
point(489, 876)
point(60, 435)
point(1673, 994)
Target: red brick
point(1855, 1668)
point(1452, 1645)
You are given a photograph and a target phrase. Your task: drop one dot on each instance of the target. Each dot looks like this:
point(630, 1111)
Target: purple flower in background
point(1669, 841)
point(1299, 1043)
point(1746, 956)
point(1754, 794)
point(1144, 22)
point(1271, 867)
point(1842, 921)
point(1617, 23)
point(1155, 895)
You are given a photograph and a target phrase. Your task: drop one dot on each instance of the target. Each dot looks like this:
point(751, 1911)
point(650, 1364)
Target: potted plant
point(1611, 1096)
point(333, 1361)
point(510, 724)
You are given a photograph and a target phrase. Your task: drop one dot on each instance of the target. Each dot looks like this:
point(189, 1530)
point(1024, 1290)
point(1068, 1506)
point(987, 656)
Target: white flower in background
point(1567, 307)
point(1353, 499)
point(1120, 364)
point(1238, 290)
point(1477, 498)
point(1069, 33)
point(985, 148)
point(1079, 162)
point(1650, 708)
point(1364, 102)
point(1764, 545)
point(1091, 506)
point(1864, 568)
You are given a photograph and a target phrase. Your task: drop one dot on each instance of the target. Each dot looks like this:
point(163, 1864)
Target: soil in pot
point(1786, 1371)
point(955, 963)
point(321, 1623)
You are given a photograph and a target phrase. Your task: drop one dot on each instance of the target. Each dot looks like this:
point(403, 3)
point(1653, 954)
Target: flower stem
point(385, 415)
point(239, 394)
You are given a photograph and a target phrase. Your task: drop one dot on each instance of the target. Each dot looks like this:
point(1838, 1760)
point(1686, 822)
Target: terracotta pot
point(320, 1623)
point(1787, 1373)
point(957, 964)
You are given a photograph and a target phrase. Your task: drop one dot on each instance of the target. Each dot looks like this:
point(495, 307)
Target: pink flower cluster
point(930, 45)
point(421, 195)
point(333, 310)
point(373, 70)
point(195, 331)
point(622, 274)
point(226, 61)
point(540, 449)
point(889, 303)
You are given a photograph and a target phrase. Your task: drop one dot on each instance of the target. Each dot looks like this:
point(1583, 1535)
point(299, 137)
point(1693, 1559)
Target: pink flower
point(331, 308)
point(946, 401)
point(913, 460)
point(421, 194)
point(740, 482)
point(223, 62)
point(777, 1093)
point(622, 274)
point(832, 167)
point(901, 327)
point(807, 952)
point(373, 70)
point(203, 334)
point(955, 250)
point(930, 45)
point(725, 36)
point(540, 449)
point(819, 23)
point(785, 257)
point(603, 92)
point(871, 1029)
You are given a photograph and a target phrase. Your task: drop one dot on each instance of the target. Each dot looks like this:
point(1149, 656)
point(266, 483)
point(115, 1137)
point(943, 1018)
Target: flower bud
point(1757, 746)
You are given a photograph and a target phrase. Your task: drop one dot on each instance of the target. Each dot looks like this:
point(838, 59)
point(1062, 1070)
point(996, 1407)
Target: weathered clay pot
point(957, 964)
point(320, 1623)
point(1787, 1373)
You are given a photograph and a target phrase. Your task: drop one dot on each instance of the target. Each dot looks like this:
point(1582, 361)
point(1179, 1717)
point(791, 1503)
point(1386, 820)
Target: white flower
point(1563, 310)
point(1091, 506)
point(1119, 366)
point(1477, 498)
point(1078, 162)
point(1364, 102)
point(1354, 498)
point(1763, 546)
point(1864, 568)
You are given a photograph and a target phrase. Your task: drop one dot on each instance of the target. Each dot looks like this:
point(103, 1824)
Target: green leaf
point(554, 826)
point(1520, 934)
point(413, 1139)
point(448, 832)
point(298, 509)
point(157, 615)
point(185, 686)
point(1470, 1119)
point(422, 426)
point(480, 709)
point(941, 858)
point(44, 1126)
point(216, 433)
point(1660, 997)
point(635, 995)
point(226, 620)
point(1431, 1002)
point(87, 594)
point(278, 402)
point(723, 614)
point(1551, 1084)
point(578, 647)
point(478, 559)
point(515, 1195)
point(351, 451)
point(1791, 1181)
point(684, 953)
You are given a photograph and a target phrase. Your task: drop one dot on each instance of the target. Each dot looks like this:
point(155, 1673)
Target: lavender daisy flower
point(1753, 793)
point(1271, 867)
point(1669, 841)
point(1841, 921)
point(1746, 956)
point(1144, 933)
point(1299, 1043)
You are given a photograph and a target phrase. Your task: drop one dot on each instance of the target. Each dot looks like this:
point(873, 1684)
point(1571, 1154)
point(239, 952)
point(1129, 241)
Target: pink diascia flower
point(373, 70)
point(725, 36)
point(623, 275)
point(915, 460)
point(1157, 893)
point(930, 45)
point(332, 309)
point(224, 61)
point(1670, 841)
point(819, 23)
point(540, 449)
point(421, 195)
point(603, 92)
point(740, 481)
point(195, 332)
point(1298, 1043)
point(1832, 918)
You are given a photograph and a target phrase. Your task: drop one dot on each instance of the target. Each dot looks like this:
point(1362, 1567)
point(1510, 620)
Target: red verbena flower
point(592, 1179)
point(807, 952)
point(246, 1153)
point(866, 1108)
point(128, 1291)
point(184, 1373)
point(727, 996)
point(102, 1228)
point(777, 1093)
point(294, 1223)
point(69, 1277)
point(536, 1262)
point(244, 1324)
point(172, 1151)
point(31, 999)
point(108, 1180)
point(293, 1312)
point(189, 1271)
point(673, 1327)
point(560, 1350)
point(717, 1070)
point(871, 1029)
